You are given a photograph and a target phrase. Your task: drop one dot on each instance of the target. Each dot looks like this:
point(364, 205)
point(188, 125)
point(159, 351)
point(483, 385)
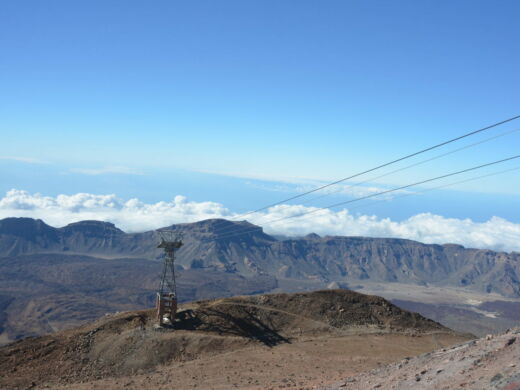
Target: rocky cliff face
point(242, 248)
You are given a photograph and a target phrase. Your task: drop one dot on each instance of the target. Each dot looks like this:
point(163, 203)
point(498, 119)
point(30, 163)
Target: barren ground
point(305, 364)
point(259, 342)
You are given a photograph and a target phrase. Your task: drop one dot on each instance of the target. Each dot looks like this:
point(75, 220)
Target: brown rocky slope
point(127, 350)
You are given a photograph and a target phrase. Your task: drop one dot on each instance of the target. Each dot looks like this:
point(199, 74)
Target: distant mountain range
point(250, 252)
point(52, 278)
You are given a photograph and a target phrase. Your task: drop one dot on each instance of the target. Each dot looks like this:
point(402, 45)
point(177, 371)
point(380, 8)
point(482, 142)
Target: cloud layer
point(355, 190)
point(133, 215)
point(28, 160)
point(119, 170)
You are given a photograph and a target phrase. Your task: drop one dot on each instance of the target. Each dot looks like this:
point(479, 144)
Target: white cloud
point(354, 190)
point(496, 233)
point(106, 170)
point(133, 215)
point(28, 160)
point(267, 177)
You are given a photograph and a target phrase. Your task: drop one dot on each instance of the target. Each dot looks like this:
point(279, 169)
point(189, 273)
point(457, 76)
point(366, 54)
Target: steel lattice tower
point(167, 296)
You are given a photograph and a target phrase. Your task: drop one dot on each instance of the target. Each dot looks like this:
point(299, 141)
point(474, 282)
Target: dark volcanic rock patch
point(47, 292)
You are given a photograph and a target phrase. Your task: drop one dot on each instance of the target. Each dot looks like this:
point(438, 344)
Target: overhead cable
point(374, 195)
point(227, 229)
point(384, 165)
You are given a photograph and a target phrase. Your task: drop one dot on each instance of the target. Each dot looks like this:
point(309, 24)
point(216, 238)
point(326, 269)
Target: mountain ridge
point(328, 259)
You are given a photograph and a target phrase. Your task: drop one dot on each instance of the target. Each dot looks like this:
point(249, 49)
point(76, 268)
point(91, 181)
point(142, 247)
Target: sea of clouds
point(134, 215)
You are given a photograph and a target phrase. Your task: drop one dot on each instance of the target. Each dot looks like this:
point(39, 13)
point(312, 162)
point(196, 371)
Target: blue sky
point(203, 98)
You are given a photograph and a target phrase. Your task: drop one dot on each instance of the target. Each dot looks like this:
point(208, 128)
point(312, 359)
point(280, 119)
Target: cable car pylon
point(166, 300)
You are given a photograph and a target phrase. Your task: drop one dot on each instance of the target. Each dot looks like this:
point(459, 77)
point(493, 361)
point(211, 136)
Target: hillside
point(42, 293)
point(289, 330)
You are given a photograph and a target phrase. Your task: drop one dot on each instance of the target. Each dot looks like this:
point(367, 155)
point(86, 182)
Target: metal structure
point(166, 303)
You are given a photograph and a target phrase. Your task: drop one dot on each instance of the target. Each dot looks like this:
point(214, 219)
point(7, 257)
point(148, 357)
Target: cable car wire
point(228, 229)
point(375, 194)
point(437, 188)
point(385, 164)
